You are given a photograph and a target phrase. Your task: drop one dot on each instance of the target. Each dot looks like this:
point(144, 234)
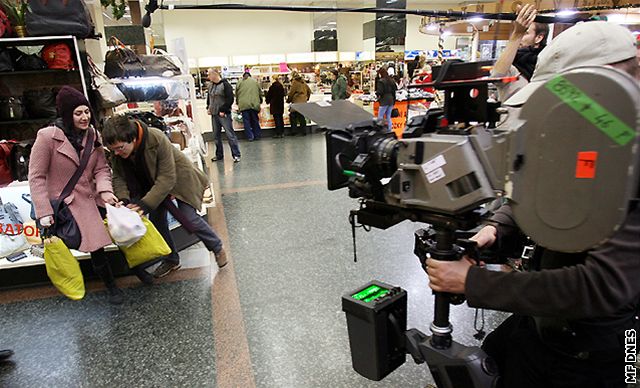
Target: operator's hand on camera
point(448, 276)
point(526, 15)
point(485, 236)
point(109, 198)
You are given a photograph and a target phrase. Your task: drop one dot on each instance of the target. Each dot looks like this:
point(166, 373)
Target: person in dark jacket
point(386, 92)
point(275, 99)
point(219, 105)
point(148, 172)
point(573, 315)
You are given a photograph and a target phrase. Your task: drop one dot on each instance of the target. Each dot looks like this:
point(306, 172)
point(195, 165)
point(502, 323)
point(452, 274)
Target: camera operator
point(520, 55)
point(570, 315)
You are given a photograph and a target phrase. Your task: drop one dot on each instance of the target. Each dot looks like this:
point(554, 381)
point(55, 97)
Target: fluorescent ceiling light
point(566, 13)
point(476, 19)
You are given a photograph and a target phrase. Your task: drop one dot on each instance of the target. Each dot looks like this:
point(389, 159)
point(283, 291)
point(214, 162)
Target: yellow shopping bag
point(149, 247)
point(63, 269)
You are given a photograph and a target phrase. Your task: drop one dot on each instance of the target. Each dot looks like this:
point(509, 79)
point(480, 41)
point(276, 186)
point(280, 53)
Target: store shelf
point(27, 121)
point(46, 72)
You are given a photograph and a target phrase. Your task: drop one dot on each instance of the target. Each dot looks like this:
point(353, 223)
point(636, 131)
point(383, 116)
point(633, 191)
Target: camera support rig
point(452, 365)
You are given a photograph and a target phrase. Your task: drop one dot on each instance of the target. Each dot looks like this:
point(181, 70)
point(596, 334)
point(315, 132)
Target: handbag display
point(59, 17)
point(27, 62)
point(58, 56)
point(108, 92)
point(121, 61)
point(6, 176)
point(149, 247)
point(161, 64)
point(40, 103)
point(63, 269)
point(65, 226)
point(20, 155)
point(141, 93)
point(11, 108)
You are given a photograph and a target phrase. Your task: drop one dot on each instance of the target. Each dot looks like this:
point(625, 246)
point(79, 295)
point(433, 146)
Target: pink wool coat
point(53, 162)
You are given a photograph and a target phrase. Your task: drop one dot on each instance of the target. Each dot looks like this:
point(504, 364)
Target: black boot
point(5, 354)
point(144, 276)
point(103, 269)
point(116, 296)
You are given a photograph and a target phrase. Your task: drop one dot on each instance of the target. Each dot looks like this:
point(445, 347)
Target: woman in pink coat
point(55, 157)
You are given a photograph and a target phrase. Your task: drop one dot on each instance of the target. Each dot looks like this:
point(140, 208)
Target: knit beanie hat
point(67, 100)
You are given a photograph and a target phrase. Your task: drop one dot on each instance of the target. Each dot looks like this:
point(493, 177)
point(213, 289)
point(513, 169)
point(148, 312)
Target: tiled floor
point(272, 318)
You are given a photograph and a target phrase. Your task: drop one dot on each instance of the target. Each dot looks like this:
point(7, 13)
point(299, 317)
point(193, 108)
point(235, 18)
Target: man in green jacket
point(339, 86)
point(147, 173)
point(249, 97)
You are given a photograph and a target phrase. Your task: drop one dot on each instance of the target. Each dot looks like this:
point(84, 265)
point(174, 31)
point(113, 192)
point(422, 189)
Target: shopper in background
point(413, 66)
point(147, 173)
point(338, 86)
point(219, 104)
point(249, 97)
point(299, 93)
point(386, 92)
point(520, 56)
point(55, 157)
point(391, 70)
point(275, 99)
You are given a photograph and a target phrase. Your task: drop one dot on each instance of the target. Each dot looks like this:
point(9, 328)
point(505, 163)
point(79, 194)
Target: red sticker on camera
point(586, 164)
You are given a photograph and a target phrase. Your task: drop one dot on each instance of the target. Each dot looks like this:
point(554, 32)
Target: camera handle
point(452, 365)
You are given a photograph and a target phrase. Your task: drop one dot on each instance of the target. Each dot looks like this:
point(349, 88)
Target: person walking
point(339, 86)
point(249, 97)
point(55, 157)
point(147, 173)
point(386, 92)
point(219, 105)
point(275, 99)
point(299, 93)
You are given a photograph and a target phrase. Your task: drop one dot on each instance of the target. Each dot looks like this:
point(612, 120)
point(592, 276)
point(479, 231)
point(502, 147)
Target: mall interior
point(292, 307)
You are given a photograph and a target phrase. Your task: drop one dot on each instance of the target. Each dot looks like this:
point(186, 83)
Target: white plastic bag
point(125, 225)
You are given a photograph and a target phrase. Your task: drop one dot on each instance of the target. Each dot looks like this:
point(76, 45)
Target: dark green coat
point(170, 170)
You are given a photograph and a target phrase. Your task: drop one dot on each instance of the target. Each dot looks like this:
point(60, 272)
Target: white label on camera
point(436, 175)
point(434, 163)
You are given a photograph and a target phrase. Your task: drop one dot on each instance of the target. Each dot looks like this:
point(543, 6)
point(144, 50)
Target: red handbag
point(58, 56)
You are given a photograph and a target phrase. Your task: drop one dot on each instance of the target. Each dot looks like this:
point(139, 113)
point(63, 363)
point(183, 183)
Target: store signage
point(411, 54)
point(432, 54)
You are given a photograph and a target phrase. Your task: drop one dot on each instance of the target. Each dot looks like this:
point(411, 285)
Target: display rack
point(15, 83)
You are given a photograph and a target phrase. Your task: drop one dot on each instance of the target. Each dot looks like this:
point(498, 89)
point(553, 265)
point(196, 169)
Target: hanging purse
point(64, 225)
point(121, 61)
point(11, 108)
point(161, 64)
point(107, 90)
point(40, 103)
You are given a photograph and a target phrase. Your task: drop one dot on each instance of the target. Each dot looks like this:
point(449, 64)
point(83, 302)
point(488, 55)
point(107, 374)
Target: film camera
point(572, 144)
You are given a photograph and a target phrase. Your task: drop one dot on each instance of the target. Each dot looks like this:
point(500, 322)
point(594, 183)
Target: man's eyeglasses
point(118, 149)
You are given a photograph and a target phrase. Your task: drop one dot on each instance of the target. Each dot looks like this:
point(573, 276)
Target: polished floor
point(272, 318)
